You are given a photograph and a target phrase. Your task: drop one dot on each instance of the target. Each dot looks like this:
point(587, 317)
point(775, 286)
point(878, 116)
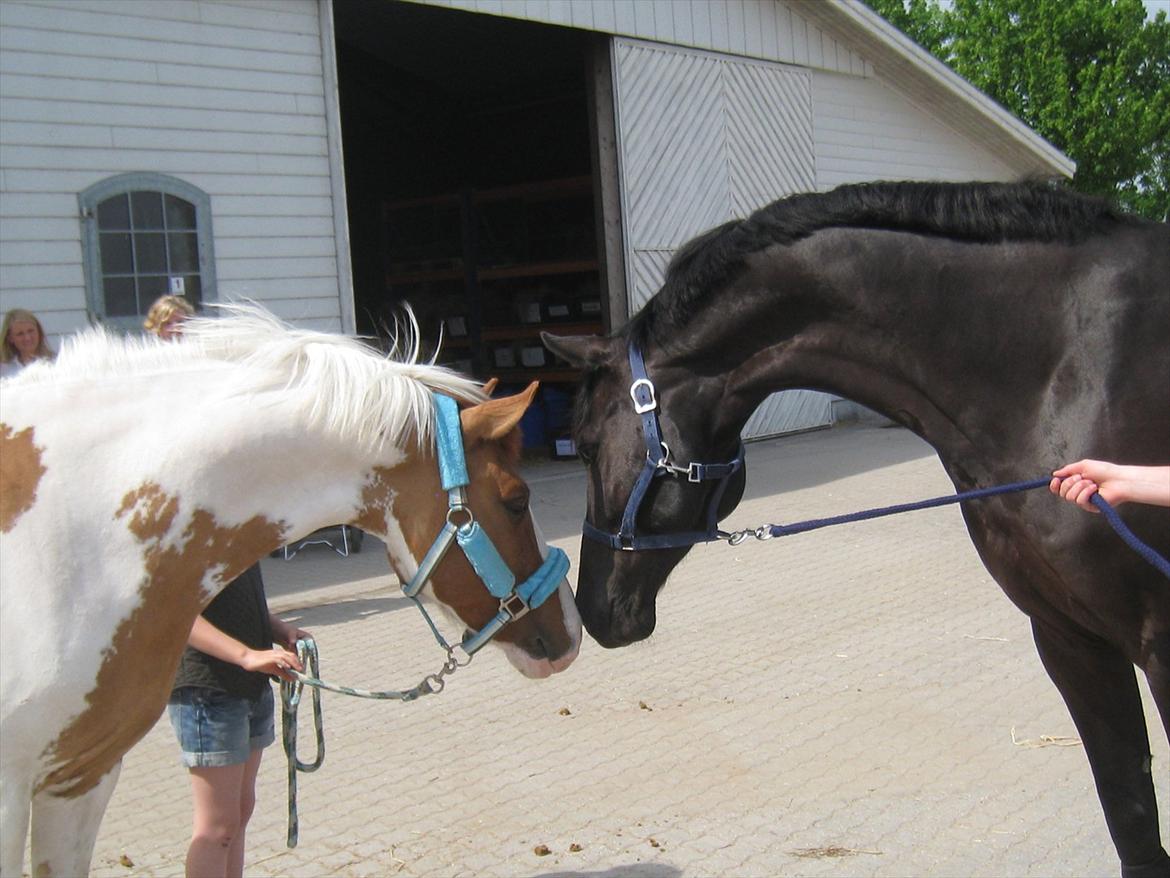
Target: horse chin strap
point(659, 463)
point(463, 530)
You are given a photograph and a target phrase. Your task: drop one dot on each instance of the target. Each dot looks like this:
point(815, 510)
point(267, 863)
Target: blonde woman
point(165, 317)
point(22, 341)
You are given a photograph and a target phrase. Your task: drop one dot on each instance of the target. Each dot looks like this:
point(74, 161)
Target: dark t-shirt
point(240, 610)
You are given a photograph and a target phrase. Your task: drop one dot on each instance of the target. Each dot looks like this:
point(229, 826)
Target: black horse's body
point(1015, 328)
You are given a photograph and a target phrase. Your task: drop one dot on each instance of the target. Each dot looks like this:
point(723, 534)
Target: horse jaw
point(540, 668)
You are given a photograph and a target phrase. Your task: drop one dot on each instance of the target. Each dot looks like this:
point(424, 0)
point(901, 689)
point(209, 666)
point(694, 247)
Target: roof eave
point(955, 100)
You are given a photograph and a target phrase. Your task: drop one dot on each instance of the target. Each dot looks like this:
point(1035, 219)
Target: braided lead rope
point(769, 531)
point(290, 698)
point(1131, 539)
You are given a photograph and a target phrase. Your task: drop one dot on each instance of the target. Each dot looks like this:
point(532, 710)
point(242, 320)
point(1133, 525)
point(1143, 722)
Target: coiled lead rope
point(290, 699)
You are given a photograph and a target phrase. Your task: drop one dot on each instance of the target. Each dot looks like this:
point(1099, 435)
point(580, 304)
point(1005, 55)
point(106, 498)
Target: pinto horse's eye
point(517, 506)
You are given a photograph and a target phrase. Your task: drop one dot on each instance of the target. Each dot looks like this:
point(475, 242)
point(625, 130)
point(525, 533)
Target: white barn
point(502, 165)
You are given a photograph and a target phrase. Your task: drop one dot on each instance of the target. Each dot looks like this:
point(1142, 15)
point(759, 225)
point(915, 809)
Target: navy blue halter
point(658, 464)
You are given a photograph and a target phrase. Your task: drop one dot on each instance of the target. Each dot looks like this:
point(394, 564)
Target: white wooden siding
point(772, 30)
point(227, 95)
point(865, 130)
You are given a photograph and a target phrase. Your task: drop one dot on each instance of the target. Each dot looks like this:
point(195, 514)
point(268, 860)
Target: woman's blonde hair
point(19, 315)
point(163, 310)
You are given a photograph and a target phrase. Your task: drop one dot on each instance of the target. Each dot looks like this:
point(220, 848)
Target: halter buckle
point(642, 407)
point(515, 606)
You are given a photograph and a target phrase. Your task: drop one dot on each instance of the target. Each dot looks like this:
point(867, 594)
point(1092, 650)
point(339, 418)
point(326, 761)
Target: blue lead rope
point(1129, 536)
point(783, 530)
point(1111, 516)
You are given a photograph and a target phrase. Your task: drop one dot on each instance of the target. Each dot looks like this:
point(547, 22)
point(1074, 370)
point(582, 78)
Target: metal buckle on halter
point(515, 606)
point(642, 407)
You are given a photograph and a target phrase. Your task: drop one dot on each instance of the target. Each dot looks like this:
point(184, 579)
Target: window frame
point(123, 184)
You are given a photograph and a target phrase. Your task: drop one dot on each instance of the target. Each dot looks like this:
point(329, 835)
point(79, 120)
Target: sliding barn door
point(704, 138)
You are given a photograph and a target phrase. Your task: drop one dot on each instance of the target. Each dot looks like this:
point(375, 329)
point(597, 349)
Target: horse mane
point(338, 383)
point(974, 212)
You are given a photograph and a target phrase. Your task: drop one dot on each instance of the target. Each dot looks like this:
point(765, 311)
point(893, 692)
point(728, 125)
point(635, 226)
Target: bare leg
point(64, 829)
point(224, 798)
point(247, 806)
point(1099, 687)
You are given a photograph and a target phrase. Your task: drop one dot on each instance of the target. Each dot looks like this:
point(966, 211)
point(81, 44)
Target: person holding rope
point(1116, 483)
point(221, 705)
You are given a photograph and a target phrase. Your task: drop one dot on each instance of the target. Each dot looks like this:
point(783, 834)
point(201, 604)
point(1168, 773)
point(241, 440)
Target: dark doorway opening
point(469, 180)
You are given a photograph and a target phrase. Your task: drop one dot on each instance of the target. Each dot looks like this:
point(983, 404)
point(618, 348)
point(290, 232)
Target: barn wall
point(227, 95)
point(863, 129)
point(771, 30)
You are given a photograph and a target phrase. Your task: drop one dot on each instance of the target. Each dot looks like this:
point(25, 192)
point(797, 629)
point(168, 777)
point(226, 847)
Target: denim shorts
point(217, 729)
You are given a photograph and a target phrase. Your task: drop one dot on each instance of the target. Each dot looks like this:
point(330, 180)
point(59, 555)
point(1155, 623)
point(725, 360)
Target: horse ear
point(489, 386)
point(496, 418)
point(580, 351)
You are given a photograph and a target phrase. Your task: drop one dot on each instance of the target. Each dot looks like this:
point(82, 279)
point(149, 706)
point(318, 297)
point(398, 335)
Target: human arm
point(206, 638)
point(1116, 483)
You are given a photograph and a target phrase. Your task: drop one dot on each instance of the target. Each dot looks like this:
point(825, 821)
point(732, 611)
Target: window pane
point(120, 298)
point(151, 252)
point(184, 252)
point(114, 213)
point(150, 287)
point(117, 255)
point(146, 208)
point(180, 213)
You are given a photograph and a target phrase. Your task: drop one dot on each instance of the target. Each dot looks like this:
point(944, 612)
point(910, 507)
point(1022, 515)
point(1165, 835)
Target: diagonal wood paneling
point(769, 133)
point(672, 144)
point(704, 138)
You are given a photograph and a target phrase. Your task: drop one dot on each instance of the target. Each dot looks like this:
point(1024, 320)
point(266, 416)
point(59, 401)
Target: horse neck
point(244, 457)
point(899, 323)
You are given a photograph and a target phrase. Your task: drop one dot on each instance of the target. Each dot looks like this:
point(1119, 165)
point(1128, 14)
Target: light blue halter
point(462, 528)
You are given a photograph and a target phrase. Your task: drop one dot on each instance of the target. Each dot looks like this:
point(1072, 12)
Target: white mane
point(338, 383)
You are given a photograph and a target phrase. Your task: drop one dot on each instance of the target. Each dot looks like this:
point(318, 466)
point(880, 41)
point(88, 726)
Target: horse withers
point(1013, 327)
point(137, 478)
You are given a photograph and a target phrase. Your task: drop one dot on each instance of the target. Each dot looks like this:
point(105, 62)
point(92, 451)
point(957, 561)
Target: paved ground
point(852, 702)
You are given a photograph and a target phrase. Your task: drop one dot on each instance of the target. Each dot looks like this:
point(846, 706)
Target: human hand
point(1077, 482)
point(1116, 483)
point(275, 662)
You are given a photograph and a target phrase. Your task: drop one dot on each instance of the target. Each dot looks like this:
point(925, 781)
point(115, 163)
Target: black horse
point(1013, 327)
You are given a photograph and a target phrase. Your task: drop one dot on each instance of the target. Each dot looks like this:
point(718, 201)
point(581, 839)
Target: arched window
point(145, 235)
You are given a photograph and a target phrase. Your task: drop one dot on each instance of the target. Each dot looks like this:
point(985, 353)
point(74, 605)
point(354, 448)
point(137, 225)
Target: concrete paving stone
point(849, 694)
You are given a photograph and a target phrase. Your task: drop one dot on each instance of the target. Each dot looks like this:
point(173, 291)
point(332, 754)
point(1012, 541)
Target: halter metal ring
point(642, 407)
point(466, 510)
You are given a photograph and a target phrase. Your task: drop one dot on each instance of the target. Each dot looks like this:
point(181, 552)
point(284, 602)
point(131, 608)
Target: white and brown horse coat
point(138, 478)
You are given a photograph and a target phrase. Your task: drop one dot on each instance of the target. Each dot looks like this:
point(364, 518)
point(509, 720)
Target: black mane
point(978, 212)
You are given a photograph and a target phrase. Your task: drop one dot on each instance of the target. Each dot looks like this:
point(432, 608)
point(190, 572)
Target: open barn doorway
point(471, 185)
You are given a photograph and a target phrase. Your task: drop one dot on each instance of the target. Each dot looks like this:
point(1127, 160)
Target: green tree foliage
point(1091, 76)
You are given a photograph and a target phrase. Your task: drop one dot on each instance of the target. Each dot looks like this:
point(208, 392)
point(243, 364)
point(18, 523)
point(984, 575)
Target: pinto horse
point(137, 478)
point(1013, 327)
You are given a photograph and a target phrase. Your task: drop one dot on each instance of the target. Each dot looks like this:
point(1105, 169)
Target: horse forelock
point(973, 212)
point(337, 383)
